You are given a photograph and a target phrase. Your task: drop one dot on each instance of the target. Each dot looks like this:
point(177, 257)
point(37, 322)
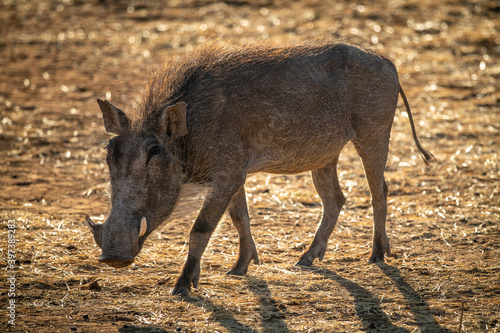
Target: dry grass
point(58, 57)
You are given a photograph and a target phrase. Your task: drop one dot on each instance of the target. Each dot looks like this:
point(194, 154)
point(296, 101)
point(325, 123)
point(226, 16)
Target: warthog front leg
point(213, 208)
point(238, 210)
point(328, 188)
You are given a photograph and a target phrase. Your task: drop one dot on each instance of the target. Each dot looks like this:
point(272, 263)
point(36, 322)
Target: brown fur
point(224, 112)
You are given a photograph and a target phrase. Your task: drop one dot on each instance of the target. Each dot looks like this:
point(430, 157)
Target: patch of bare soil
point(57, 57)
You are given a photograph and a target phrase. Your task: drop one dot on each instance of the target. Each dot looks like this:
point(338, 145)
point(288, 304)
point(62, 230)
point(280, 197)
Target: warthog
point(224, 112)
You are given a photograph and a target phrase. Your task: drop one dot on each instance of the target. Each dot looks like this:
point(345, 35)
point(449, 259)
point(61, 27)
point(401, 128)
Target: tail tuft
point(426, 155)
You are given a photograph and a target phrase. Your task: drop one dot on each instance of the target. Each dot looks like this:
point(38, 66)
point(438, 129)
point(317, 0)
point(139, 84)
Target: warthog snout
point(116, 254)
point(116, 261)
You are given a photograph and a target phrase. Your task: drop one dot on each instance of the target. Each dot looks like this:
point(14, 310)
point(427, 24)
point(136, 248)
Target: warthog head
point(146, 177)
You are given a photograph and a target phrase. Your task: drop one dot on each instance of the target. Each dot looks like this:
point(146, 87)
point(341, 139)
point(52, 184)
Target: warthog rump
point(224, 112)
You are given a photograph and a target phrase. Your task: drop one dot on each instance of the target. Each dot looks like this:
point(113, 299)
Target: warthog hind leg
point(328, 188)
point(238, 211)
point(374, 157)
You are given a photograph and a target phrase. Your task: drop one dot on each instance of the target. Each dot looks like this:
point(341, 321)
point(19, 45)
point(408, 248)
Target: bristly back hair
point(169, 82)
point(172, 81)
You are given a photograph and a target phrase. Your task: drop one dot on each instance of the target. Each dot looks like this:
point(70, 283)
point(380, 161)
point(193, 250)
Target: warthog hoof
point(376, 259)
point(303, 262)
point(236, 272)
point(180, 291)
point(308, 257)
point(380, 248)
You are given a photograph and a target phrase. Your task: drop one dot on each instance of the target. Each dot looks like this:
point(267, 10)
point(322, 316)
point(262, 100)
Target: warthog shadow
point(423, 315)
point(270, 312)
point(220, 314)
point(269, 309)
point(366, 304)
point(372, 316)
point(137, 329)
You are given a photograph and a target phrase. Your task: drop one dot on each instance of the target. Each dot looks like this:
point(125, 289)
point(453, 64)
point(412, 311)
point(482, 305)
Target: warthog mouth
point(116, 261)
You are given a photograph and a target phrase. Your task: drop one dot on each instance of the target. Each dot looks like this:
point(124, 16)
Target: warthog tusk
point(89, 223)
point(144, 226)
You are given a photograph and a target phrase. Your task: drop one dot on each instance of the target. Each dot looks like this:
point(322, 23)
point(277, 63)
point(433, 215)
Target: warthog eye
point(153, 150)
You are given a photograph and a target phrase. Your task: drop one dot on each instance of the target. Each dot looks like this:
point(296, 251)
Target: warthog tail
point(427, 156)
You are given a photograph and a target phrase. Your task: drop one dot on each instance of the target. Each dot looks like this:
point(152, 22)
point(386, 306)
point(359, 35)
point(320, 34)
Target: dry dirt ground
point(58, 57)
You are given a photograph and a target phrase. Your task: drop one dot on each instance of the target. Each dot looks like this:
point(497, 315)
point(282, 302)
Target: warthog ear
point(115, 120)
point(173, 120)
